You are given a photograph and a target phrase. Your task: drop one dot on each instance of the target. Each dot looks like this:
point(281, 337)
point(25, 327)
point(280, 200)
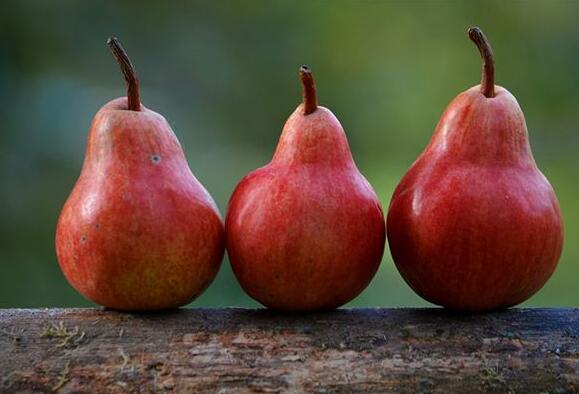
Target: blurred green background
point(224, 73)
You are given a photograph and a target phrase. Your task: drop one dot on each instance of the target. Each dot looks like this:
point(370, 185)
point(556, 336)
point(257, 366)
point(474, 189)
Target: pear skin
point(306, 232)
point(138, 232)
point(474, 225)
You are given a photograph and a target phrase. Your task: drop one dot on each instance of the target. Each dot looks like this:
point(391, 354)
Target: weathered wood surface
point(235, 350)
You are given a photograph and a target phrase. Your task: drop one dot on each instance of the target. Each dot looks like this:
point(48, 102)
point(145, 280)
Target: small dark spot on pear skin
point(97, 226)
point(156, 159)
point(83, 238)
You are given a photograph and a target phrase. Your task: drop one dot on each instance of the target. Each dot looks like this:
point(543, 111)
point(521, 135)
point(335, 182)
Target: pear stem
point(310, 99)
point(134, 102)
point(487, 84)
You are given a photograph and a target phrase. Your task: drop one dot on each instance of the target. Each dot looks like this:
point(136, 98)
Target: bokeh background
point(224, 73)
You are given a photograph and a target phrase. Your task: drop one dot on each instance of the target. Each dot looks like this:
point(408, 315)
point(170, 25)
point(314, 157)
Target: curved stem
point(134, 102)
point(310, 99)
point(487, 84)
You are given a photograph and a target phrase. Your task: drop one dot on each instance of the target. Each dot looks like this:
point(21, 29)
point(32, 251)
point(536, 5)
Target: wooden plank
point(236, 350)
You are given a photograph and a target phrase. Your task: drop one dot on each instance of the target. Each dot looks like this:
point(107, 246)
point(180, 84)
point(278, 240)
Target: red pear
point(138, 231)
point(306, 232)
point(474, 225)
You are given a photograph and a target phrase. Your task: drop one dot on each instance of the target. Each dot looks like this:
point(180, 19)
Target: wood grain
point(236, 350)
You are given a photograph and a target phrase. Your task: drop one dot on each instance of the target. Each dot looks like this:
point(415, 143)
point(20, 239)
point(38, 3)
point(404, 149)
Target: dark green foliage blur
point(224, 73)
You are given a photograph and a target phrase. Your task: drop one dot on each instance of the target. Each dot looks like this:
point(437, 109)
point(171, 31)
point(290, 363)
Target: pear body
point(306, 232)
point(138, 231)
point(474, 225)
